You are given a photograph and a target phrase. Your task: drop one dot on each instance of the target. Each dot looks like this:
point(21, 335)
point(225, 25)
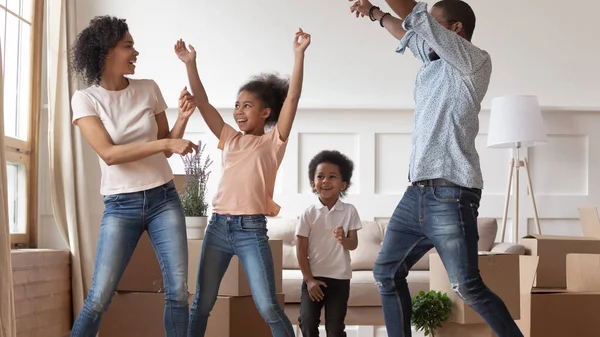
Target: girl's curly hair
point(272, 90)
point(91, 46)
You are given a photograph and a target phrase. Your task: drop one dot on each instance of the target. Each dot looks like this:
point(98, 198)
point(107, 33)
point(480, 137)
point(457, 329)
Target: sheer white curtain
point(8, 326)
point(66, 156)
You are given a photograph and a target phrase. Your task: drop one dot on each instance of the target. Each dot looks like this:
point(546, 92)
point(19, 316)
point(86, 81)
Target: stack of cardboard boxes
point(500, 272)
point(554, 290)
point(137, 308)
point(562, 296)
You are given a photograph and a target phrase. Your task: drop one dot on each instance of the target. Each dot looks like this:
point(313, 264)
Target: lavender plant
point(193, 196)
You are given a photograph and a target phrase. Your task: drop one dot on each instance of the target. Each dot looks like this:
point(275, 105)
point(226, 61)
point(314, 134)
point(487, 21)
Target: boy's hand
point(339, 234)
point(301, 41)
point(314, 289)
point(187, 104)
point(361, 7)
point(185, 55)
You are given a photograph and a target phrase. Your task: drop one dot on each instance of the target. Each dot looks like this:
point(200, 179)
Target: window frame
point(26, 152)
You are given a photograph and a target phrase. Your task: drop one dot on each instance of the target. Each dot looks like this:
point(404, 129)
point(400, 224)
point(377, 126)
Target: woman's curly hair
point(91, 46)
point(272, 90)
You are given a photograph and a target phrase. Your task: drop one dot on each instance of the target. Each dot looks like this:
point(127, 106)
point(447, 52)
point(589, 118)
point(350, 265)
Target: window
point(20, 45)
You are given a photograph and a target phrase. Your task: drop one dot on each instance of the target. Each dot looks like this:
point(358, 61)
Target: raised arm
point(290, 105)
point(187, 105)
point(392, 24)
point(401, 7)
point(446, 42)
point(211, 116)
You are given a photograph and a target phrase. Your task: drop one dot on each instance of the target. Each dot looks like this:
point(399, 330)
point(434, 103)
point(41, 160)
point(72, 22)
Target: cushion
point(285, 230)
point(488, 229)
point(370, 238)
point(363, 290)
point(292, 285)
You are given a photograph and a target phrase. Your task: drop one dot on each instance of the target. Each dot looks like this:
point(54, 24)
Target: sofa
point(364, 305)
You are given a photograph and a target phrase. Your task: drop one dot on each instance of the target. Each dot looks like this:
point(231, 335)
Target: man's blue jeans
point(444, 217)
point(246, 237)
point(126, 217)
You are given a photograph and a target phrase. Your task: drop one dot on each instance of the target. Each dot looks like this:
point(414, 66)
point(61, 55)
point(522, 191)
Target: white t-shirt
point(326, 256)
point(129, 117)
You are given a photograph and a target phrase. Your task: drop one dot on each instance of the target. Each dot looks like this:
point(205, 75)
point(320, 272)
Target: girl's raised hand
point(187, 104)
point(183, 53)
point(301, 41)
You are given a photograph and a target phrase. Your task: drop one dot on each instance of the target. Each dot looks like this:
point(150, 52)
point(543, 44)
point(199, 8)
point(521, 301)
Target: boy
point(327, 232)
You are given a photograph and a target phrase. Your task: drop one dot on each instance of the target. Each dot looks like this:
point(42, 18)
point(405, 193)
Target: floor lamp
point(516, 122)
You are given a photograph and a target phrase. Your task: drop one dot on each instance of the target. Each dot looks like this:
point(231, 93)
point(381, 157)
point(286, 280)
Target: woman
point(125, 123)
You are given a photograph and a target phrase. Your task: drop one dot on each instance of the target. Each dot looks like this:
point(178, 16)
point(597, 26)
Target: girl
point(245, 194)
point(125, 123)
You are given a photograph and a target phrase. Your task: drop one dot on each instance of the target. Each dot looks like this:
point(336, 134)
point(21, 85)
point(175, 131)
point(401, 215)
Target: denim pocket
point(446, 193)
point(111, 198)
point(254, 222)
point(170, 185)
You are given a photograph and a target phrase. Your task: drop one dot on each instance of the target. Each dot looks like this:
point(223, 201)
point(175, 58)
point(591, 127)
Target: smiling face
point(250, 114)
point(121, 59)
point(327, 183)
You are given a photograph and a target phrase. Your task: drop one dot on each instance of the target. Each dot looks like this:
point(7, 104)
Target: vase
point(195, 227)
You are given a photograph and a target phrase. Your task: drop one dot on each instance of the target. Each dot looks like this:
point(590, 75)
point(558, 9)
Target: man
point(440, 208)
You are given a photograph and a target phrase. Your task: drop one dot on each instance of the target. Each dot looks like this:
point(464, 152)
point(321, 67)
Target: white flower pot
point(195, 227)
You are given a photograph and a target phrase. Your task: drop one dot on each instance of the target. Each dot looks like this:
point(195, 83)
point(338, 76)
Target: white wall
point(538, 47)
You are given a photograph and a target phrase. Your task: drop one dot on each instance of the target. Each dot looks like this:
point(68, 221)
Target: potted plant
point(430, 310)
point(193, 196)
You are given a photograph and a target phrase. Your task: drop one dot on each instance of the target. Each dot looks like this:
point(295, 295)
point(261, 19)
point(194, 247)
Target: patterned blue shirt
point(448, 95)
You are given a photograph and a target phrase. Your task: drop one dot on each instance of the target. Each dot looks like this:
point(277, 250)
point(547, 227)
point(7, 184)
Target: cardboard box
point(179, 181)
point(194, 250)
point(554, 312)
point(141, 315)
point(142, 273)
point(583, 272)
point(590, 222)
point(234, 281)
point(500, 272)
point(565, 314)
point(553, 250)
point(527, 269)
point(238, 317)
point(559, 314)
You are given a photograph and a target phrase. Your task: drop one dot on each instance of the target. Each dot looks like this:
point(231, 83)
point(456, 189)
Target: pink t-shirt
point(249, 168)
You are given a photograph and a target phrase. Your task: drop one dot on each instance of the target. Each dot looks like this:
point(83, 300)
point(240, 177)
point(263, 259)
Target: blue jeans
point(444, 217)
point(246, 237)
point(126, 216)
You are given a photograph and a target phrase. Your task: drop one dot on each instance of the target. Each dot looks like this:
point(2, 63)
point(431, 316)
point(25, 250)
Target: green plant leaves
point(430, 310)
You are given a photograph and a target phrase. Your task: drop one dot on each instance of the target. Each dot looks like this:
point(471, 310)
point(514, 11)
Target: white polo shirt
point(326, 256)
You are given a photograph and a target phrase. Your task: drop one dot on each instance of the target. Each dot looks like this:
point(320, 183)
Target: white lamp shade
point(516, 120)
